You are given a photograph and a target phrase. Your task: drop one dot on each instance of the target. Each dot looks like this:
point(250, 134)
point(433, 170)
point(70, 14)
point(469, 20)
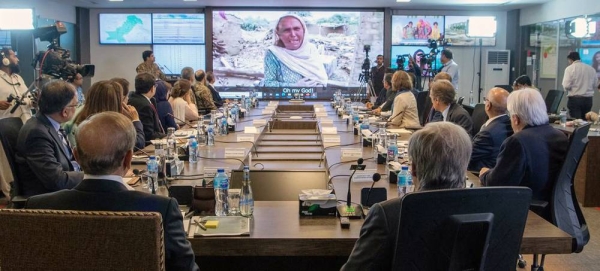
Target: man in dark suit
point(390, 95)
point(431, 170)
point(486, 143)
point(44, 159)
point(145, 89)
point(442, 95)
point(210, 79)
point(104, 150)
point(534, 155)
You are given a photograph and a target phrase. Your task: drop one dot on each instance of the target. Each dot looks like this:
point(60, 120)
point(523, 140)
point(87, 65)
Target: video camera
point(366, 66)
point(434, 46)
point(400, 60)
point(56, 61)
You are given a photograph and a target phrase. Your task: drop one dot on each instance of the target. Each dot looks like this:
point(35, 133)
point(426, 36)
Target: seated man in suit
point(431, 170)
point(486, 143)
point(104, 149)
point(44, 158)
point(210, 80)
point(533, 156)
point(434, 115)
point(390, 95)
point(145, 89)
point(442, 96)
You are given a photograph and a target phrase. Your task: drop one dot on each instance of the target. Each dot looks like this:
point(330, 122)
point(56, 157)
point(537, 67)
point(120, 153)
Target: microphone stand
point(351, 210)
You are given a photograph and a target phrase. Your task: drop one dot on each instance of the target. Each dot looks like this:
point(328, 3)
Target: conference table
point(280, 238)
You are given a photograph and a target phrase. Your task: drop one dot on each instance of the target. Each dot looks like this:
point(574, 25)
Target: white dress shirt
point(580, 80)
point(115, 178)
point(14, 84)
point(452, 69)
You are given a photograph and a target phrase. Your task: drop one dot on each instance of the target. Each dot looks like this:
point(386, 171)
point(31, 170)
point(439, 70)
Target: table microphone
point(390, 119)
point(180, 120)
point(376, 178)
point(349, 210)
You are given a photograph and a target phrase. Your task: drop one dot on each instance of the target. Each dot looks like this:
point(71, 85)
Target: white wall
point(467, 58)
point(45, 9)
point(558, 9)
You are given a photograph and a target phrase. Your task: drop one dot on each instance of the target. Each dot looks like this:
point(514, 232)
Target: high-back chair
point(81, 240)
point(552, 100)
point(479, 117)
point(9, 133)
point(461, 229)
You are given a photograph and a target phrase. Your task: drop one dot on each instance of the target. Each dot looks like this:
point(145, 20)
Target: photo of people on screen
point(292, 60)
point(416, 30)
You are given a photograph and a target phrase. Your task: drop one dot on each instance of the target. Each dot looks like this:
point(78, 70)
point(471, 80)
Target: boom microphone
point(376, 178)
point(180, 120)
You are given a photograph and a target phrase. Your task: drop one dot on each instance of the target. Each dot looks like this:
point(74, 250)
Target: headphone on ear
point(5, 60)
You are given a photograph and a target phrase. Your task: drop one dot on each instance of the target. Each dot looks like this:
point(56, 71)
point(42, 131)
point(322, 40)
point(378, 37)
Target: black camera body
point(367, 48)
point(400, 60)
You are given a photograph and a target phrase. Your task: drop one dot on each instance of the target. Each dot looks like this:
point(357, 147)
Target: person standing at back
point(145, 89)
point(150, 66)
point(377, 74)
point(12, 83)
point(579, 82)
point(450, 67)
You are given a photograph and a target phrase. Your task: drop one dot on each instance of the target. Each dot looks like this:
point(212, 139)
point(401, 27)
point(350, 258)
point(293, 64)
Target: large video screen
point(312, 53)
point(591, 56)
point(174, 57)
point(125, 28)
point(416, 30)
point(456, 33)
point(178, 28)
point(419, 54)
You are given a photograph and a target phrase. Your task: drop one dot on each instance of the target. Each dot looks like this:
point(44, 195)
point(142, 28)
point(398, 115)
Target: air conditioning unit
point(496, 70)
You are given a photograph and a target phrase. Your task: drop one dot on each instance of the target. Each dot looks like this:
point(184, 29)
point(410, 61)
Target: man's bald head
point(103, 141)
point(497, 100)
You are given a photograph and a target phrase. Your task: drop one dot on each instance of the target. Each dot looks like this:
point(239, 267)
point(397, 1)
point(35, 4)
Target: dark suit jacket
point(390, 96)
point(486, 143)
point(374, 249)
point(152, 128)
point(458, 115)
point(533, 158)
point(215, 95)
point(42, 164)
point(107, 195)
point(381, 98)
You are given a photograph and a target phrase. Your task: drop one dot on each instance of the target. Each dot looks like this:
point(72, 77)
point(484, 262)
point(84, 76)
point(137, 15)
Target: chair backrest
point(426, 108)
point(553, 100)
point(479, 117)
point(421, 102)
point(461, 229)
point(505, 87)
point(69, 240)
point(566, 213)
point(460, 100)
point(9, 133)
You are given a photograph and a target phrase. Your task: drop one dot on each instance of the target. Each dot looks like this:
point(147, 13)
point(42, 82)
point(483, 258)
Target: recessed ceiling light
point(190, 0)
point(115, 0)
point(402, 1)
point(482, 2)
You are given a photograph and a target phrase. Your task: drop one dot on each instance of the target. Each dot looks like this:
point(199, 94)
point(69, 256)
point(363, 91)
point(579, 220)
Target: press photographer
point(13, 91)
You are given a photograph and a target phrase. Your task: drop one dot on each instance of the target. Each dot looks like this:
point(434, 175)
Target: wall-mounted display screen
point(282, 53)
point(456, 33)
point(125, 28)
point(5, 39)
point(174, 57)
point(424, 58)
point(591, 56)
point(178, 28)
point(416, 30)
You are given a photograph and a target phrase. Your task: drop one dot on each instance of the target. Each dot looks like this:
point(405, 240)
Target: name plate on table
point(210, 172)
point(259, 122)
point(352, 153)
point(325, 120)
point(345, 117)
point(363, 176)
point(329, 130)
point(321, 114)
point(331, 139)
point(319, 109)
point(270, 107)
point(267, 112)
point(318, 105)
point(250, 130)
point(235, 152)
point(244, 137)
point(273, 102)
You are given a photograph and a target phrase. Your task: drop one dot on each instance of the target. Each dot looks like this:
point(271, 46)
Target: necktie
point(157, 118)
point(67, 148)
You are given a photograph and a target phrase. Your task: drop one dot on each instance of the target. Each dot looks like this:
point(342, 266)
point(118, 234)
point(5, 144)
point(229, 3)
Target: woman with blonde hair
point(103, 96)
point(404, 112)
point(181, 101)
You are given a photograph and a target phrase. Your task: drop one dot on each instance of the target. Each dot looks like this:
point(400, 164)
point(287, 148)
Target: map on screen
point(125, 28)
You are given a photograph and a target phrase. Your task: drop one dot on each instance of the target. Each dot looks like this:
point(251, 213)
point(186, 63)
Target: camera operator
point(450, 67)
point(414, 68)
point(12, 87)
point(377, 73)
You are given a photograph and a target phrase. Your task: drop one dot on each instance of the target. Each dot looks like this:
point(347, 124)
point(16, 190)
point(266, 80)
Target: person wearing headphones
point(13, 86)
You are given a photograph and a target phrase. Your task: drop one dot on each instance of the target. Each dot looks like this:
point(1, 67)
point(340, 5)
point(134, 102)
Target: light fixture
point(481, 27)
point(190, 0)
point(481, 2)
point(16, 19)
point(115, 0)
point(580, 28)
point(402, 1)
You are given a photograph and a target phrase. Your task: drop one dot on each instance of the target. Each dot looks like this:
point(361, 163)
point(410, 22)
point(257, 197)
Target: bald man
point(104, 150)
point(486, 144)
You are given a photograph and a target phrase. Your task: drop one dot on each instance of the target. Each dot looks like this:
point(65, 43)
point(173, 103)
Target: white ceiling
point(414, 4)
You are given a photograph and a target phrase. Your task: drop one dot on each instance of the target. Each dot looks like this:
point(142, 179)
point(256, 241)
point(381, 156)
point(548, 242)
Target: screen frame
point(178, 13)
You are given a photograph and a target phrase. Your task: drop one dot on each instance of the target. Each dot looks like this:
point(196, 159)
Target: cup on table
point(233, 200)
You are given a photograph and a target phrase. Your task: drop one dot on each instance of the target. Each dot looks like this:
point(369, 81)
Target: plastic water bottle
point(563, 117)
point(193, 147)
point(171, 143)
point(221, 185)
point(392, 149)
point(152, 167)
point(223, 128)
point(246, 197)
point(210, 135)
point(200, 134)
point(405, 183)
point(355, 117)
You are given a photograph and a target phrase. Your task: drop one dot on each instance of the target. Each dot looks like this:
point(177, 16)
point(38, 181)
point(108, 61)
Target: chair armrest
point(540, 207)
point(18, 202)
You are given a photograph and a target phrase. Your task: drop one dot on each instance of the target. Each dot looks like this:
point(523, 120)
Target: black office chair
point(426, 110)
point(461, 229)
point(563, 210)
point(479, 117)
point(460, 100)
point(552, 100)
point(9, 133)
point(422, 103)
point(505, 87)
